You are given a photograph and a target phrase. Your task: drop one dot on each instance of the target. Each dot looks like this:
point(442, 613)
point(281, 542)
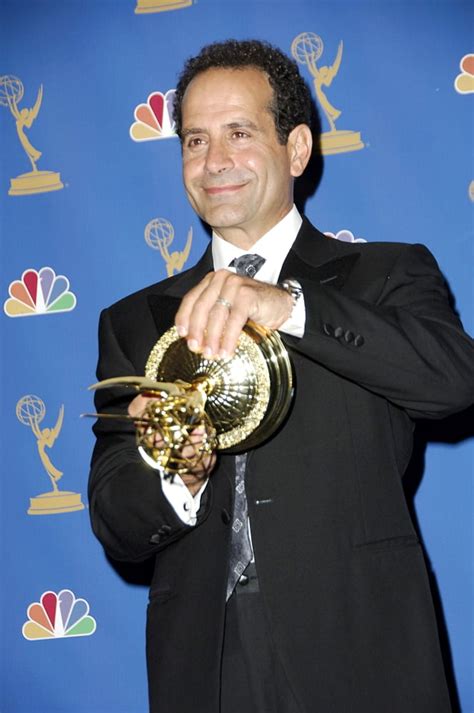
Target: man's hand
point(212, 314)
point(193, 480)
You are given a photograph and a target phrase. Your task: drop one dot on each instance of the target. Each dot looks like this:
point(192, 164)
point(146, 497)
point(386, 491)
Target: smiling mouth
point(218, 190)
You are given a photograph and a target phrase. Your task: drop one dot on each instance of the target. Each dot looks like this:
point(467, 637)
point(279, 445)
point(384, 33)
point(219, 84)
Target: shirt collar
point(274, 246)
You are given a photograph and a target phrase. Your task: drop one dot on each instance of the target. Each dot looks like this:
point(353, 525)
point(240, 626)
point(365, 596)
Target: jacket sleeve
point(407, 345)
point(130, 514)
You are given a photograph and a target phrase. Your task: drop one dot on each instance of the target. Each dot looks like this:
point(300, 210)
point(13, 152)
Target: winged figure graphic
point(25, 118)
point(176, 260)
point(45, 439)
point(323, 76)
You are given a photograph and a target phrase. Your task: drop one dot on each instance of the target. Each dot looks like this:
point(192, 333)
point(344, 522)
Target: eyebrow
point(240, 124)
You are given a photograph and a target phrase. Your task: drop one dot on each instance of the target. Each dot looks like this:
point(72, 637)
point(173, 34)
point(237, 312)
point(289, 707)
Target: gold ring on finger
point(224, 302)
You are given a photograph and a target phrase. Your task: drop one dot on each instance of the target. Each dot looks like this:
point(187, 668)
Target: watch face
point(293, 287)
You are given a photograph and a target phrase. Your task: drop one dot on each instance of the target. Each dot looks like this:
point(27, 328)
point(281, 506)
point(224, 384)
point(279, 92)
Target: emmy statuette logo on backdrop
point(39, 293)
point(144, 6)
point(30, 411)
point(57, 616)
point(154, 120)
point(159, 235)
point(35, 181)
point(307, 49)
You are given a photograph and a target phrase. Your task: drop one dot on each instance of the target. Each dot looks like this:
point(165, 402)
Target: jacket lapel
point(318, 258)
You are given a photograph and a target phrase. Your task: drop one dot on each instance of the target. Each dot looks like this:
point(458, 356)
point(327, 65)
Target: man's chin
point(222, 219)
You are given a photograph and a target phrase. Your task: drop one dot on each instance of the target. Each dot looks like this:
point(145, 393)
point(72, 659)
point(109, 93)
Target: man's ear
point(300, 144)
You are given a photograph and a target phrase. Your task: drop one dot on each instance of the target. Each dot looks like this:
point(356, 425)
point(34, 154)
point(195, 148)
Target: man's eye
point(240, 135)
point(195, 142)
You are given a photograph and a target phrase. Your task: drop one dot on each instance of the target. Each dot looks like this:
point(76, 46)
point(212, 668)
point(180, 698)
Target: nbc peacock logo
point(39, 292)
point(464, 82)
point(345, 236)
point(57, 616)
point(154, 119)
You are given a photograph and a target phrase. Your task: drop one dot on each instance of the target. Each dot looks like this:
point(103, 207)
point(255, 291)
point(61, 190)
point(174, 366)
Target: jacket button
point(349, 336)
point(328, 329)
point(338, 332)
point(155, 539)
point(164, 530)
point(225, 517)
point(359, 340)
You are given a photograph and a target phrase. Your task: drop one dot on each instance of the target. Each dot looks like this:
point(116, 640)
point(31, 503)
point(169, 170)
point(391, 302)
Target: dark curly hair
point(291, 103)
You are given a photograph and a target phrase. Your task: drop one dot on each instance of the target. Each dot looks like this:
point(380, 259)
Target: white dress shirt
point(274, 246)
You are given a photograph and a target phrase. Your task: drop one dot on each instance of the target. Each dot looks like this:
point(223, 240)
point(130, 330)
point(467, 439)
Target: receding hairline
point(269, 107)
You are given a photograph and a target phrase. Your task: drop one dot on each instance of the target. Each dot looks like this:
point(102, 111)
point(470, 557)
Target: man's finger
point(207, 462)
point(138, 404)
point(181, 319)
point(233, 329)
point(228, 308)
point(199, 310)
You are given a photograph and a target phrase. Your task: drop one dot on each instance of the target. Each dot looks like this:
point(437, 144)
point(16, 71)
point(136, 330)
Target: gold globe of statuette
point(235, 403)
point(176, 434)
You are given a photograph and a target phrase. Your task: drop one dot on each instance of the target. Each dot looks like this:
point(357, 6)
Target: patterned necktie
point(247, 265)
point(240, 547)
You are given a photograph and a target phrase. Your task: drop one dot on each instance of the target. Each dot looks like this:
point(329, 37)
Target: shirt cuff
point(184, 504)
point(179, 497)
point(295, 324)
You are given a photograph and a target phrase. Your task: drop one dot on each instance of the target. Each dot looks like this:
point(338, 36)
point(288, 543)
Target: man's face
point(237, 175)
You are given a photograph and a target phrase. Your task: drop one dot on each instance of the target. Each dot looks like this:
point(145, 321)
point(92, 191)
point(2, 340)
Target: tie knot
point(247, 265)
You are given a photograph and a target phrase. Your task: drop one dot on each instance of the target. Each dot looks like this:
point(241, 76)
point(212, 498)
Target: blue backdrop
point(84, 208)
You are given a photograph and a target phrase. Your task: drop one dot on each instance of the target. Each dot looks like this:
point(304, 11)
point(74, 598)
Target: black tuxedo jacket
point(340, 567)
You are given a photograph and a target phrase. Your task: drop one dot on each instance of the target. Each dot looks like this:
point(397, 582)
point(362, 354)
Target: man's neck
point(243, 237)
point(240, 239)
point(273, 247)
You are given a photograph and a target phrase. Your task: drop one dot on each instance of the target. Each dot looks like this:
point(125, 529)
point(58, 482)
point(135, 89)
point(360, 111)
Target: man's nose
point(218, 157)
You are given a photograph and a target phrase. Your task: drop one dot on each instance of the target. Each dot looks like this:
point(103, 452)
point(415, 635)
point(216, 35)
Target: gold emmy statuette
point(30, 410)
point(161, 5)
point(11, 93)
point(159, 234)
point(235, 403)
point(307, 48)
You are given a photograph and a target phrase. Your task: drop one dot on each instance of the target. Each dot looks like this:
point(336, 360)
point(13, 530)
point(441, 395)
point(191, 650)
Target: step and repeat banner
point(92, 208)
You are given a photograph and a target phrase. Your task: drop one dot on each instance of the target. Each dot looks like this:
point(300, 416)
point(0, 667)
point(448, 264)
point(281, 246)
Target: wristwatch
point(293, 287)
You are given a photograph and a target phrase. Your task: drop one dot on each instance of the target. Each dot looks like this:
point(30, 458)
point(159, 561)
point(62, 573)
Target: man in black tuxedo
point(334, 613)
